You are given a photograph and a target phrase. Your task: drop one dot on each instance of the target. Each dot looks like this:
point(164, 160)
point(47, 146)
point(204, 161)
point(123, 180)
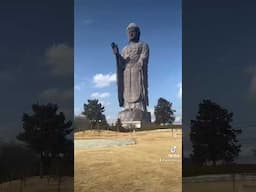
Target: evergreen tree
point(213, 138)
point(93, 111)
point(163, 112)
point(45, 132)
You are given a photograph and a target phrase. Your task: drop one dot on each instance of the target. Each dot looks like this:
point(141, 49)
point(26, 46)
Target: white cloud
point(110, 119)
point(60, 59)
point(78, 111)
point(104, 80)
point(178, 120)
point(100, 95)
point(151, 110)
point(78, 87)
point(180, 90)
point(104, 103)
point(63, 98)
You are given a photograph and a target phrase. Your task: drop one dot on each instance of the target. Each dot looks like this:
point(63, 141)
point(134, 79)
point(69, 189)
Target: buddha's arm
point(119, 58)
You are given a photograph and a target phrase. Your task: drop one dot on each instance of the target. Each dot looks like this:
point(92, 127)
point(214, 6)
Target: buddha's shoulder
point(138, 44)
point(144, 45)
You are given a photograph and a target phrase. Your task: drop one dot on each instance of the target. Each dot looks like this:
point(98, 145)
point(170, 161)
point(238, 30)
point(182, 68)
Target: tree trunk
point(59, 182)
point(21, 184)
point(59, 174)
point(41, 165)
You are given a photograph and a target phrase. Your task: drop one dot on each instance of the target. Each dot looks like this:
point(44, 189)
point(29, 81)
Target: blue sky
point(36, 60)
point(219, 45)
point(97, 24)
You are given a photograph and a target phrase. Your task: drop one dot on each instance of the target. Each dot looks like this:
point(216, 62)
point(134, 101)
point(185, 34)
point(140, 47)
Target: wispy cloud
point(60, 59)
point(6, 76)
point(180, 90)
point(100, 95)
point(88, 21)
point(78, 87)
point(104, 80)
point(56, 95)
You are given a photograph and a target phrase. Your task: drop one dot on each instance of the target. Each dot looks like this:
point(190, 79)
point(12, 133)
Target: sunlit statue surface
point(132, 78)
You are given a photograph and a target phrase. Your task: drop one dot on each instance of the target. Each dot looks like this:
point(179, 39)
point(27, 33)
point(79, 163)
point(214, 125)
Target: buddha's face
point(133, 34)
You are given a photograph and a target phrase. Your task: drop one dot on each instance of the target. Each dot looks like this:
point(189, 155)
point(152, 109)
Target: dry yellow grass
point(131, 168)
point(35, 184)
point(220, 186)
point(220, 183)
point(224, 186)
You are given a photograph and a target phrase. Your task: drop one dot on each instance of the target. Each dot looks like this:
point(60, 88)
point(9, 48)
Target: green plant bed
point(154, 127)
point(146, 128)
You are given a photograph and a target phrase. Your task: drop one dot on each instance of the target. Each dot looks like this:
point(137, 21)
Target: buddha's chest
point(133, 51)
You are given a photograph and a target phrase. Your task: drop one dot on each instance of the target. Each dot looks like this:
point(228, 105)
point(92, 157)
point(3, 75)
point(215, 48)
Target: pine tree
point(46, 131)
point(213, 138)
point(163, 112)
point(94, 112)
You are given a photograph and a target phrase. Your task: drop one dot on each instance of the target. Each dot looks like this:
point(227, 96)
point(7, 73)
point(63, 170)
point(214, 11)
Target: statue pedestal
point(134, 118)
